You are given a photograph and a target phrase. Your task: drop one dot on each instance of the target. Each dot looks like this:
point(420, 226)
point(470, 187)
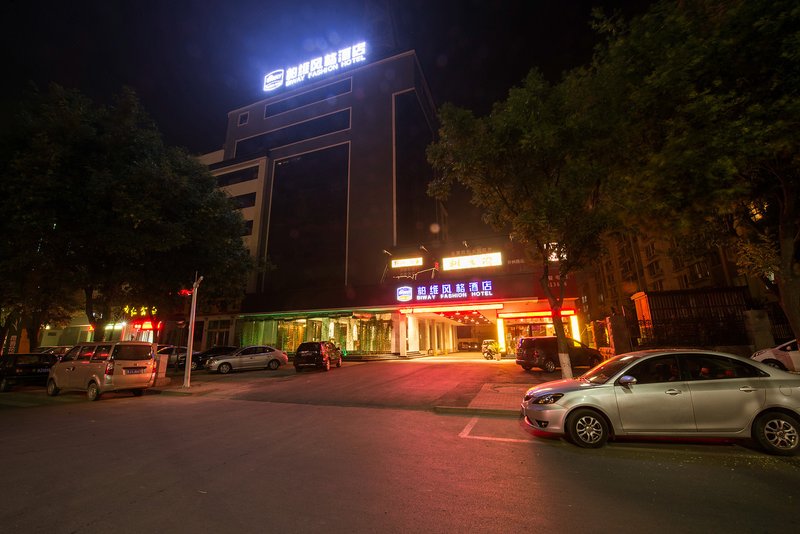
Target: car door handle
point(747, 389)
point(673, 391)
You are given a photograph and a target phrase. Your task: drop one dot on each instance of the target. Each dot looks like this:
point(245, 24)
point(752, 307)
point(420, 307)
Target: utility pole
point(187, 371)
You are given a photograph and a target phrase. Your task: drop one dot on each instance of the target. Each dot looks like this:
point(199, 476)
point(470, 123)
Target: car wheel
point(549, 366)
point(224, 368)
point(775, 363)
point(273, 364)
point(778, 433)
point(138, 392)
point(5, 385)
point(194, 366)
point(527, 366)
point(587, 428)
point(93, 391)
point(327, 364)
point(52, 389)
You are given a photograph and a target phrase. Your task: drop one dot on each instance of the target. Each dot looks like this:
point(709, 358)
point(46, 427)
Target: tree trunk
point(555, 306)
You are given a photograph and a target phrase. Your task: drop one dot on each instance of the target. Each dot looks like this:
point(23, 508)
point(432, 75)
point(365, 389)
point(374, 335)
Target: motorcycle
point(489, 353)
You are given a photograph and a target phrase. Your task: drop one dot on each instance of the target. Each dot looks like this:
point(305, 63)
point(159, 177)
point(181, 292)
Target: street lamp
point(187, 372)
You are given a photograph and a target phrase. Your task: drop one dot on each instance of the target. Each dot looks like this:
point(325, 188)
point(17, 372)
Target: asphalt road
point(359, 449)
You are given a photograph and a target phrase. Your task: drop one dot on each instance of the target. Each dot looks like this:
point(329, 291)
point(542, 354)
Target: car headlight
point(550, 398)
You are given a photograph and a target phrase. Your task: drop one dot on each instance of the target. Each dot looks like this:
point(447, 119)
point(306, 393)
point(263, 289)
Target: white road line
point(474, 421)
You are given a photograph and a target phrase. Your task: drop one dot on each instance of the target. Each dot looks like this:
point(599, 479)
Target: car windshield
point(610, 368)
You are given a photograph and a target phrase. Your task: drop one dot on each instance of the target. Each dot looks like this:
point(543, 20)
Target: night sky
point(193, 61)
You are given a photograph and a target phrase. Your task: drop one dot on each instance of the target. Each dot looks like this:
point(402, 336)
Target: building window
point(247, 200)
point(650, 250)
point(243, 117)
point(308, 220)
point(218, 333)
point(302, 131)
point(654, 268)
point(248, 228)
point(237, 177)
point(305, 99)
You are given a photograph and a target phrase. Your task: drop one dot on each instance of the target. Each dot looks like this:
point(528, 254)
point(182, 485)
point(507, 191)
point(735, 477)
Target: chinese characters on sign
point(318, 66)
point(140, 311)
point(491, 259)
point(445, 291)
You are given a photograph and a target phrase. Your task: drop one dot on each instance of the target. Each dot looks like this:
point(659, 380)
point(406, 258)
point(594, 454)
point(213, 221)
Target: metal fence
point(694, 332)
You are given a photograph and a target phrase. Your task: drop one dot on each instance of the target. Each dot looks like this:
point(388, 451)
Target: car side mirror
point(627, 381)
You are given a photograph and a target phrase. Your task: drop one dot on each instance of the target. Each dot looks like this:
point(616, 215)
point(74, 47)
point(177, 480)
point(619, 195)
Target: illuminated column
point(398, 334)
point(573, 324)
point(412, 333)
point(501, 336)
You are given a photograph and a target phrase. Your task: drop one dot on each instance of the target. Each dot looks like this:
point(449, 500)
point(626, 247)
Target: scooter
point(489, 353)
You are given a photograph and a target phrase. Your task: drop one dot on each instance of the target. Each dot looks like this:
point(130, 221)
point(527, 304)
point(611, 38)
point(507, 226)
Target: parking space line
point(474, 421)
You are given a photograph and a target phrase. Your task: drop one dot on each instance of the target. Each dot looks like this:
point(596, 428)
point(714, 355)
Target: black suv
point(18, 369)
point(542, 352)
point(321, 354)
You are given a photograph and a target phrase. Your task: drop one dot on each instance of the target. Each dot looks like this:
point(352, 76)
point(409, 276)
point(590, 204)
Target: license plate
point(134, 371)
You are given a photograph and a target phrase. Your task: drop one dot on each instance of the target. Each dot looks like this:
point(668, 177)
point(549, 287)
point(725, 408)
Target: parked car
point(785, 356)
point(30, 368)
point(199, 359)
point(252, 357)
point(58, 351)
point(542, 352)
point(320, 354)
point(672, 393)
point(98, 367)
point(469, 346)
point(173, 353)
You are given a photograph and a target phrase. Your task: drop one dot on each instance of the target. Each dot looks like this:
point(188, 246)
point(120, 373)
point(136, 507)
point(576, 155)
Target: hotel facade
point(330, 173)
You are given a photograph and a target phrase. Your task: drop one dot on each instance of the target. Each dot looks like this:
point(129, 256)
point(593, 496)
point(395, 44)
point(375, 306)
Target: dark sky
point(193, 61)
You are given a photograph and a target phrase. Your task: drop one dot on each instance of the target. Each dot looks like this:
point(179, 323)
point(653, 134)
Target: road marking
point(474, 421)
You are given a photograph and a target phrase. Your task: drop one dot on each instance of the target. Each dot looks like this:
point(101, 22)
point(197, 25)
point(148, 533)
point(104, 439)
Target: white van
point(103, 366)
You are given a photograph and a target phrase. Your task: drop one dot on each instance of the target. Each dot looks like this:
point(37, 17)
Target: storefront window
point(291, 334)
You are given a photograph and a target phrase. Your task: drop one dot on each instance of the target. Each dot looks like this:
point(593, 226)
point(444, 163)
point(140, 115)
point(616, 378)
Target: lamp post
point(187, 372)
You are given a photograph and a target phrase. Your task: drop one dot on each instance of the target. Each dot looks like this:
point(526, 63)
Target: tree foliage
point(707, 94)
point(533, 173)
point(96, 204)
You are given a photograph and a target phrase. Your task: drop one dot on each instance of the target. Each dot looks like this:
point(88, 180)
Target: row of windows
point(236, 177)
point(324, 125)
point(289, 104)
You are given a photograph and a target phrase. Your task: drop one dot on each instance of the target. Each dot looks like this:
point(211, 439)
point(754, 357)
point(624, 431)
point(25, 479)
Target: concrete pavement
point(501, 399)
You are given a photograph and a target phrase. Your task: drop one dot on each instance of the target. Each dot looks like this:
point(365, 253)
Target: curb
point(464, 410)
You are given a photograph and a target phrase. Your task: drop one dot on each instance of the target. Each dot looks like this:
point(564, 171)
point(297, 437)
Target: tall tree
point(130, 220)
point(708, 114)
point(530, 171)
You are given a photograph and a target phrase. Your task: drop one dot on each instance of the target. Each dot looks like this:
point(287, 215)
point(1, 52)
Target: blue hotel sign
point(444, 291)
point(318, 66)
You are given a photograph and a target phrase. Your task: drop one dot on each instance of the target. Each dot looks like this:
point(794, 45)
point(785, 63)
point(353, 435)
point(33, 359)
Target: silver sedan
point(673, 393)
point(252, 357)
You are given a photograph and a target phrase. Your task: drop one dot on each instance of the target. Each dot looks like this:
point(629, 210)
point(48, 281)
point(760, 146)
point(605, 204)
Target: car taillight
point(110, 368)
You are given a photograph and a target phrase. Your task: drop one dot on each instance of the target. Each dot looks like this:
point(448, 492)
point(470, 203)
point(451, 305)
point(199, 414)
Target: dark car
point(542, 352)
point(320, 354)
point(16, 369)
point(199, 359)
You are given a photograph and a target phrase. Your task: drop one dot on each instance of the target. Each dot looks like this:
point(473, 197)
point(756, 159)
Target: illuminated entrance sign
point(407, 262)
point(471, 262)
point(444, 291)
point(319, 66)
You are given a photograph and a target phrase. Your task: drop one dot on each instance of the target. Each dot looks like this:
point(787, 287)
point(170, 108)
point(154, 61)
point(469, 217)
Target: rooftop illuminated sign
point(407, 262)
point(313, 68)
point(471, 262)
